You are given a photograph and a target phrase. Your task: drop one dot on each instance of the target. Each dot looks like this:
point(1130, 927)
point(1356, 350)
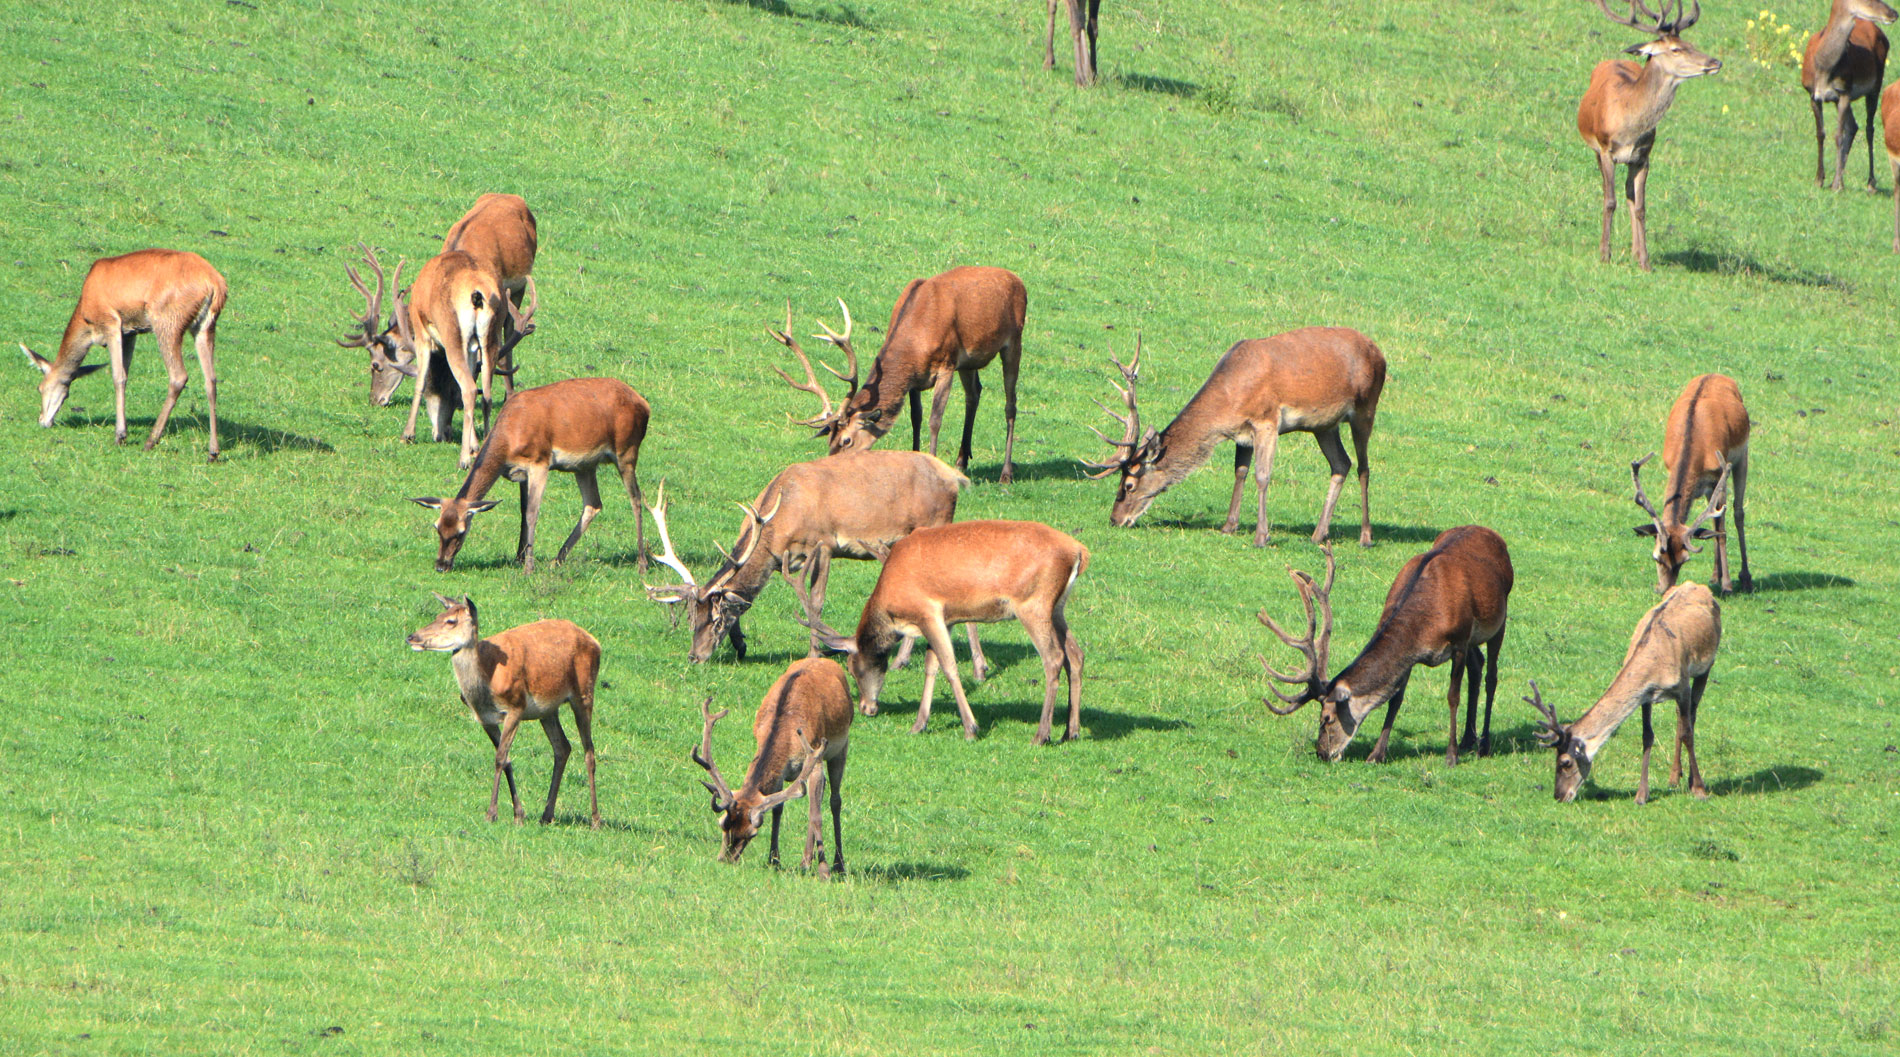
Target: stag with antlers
point(1705, 452)
point(391, 348)
point(809, 701)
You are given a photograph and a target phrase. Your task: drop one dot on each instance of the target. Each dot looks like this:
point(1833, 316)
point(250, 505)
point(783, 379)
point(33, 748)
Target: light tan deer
point(942, 328)
point(166, 293)
point(1625, 102)
point(803, 720)
point(1890, 134)
point(853, 505)
point(1846, 61)
point(1307, 381)
point(1669, 658)
point(520, 674)
point(499, 231)
point(970, 572)
point(1082, 30)
point(1705, 453)
point(570, 426)
point(1444, 604)
point(450, 318)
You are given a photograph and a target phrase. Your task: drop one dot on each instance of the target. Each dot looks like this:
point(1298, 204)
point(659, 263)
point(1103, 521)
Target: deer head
point(392, 353)
point(1338, 720)
point(1668, 51)
point(740, 815)
point(1673, 546)
point(852, 426)
point(55, 382)
point(1135, 454)
point(451, 524)
point(453, 629)
point(1573, 756)
point(868, 664)
point(712, 610)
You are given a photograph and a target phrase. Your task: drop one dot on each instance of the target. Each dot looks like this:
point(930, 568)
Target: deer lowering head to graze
point(453, 311)
point(1625, 101)
point(1669, 658)
point(1306, 381)
point(970, 572)
point(852, 505)
point(1846, 61)
point(1445, 604)
point(523, 673)
point(943, 328)
point(570, 426)
point(391, 347)
point(1705, 453)
point(499, 231)
point(166, 293)
point(1082, 30)
point(804, 719)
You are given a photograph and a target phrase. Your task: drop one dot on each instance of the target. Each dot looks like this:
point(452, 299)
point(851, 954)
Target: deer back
point(859, 503)
point(810, 698)
point(568, 422)
point(500, 231)
point(973, 570)
point(447, 284)
point(147, 289)
point(1675, 642)
point(1707, 429)
point(540, 663)
point(1455, 593)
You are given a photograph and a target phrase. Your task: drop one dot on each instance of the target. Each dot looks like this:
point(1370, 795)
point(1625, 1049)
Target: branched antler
point(669, 593)
point(522, 323)
point(1132, 439)
point(721, 793)
point(1550, 732)
point(1718, 504)
point(826, 415)
point(1315, 646)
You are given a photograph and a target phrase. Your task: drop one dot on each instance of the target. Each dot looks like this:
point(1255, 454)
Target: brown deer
point(392, 355)
point(166, 293)
point(1624, 103)
point(942, 328)
point(970, 572)
point(1890, 131)
point(1306, 381)
point(1082, 30)
point(570, 426)
point(500, 232)
point(1705, 452)
point(523, 673)
point(805, 718)
point(852, 505)
point(1846, 61)
point(1669, 658)
point(1445, 604)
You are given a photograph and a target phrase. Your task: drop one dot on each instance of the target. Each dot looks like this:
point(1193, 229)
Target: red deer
point(1444, 604)
point(1625, 101)
point(942, 328)
point(167, 293)
point(391, 354)
point(449, 319)
point(1705, 452)
point(970, 572)
point(1846, 61)
point(571, 426)
point(1669, 658)
point(805, 718)
point(1306, 381)
point(499, 231)
point(520, 674)
point(850, 505)
point(1890, 130)
point(1082, 30)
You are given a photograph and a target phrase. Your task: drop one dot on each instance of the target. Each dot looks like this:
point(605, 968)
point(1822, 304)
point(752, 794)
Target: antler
point(842, 341)
point(1655, 21)
point(1718, 505)
point(523, 324)
point(831, 639)
point(807, 769)
point(1315, 646)
point(371, 320)
point(1131, 424)
point(756, 524)
point(721, 793)
point(1636, 473)
point(1551, 732)
point(1679, 23)
point(826, 416)
point(681, 591)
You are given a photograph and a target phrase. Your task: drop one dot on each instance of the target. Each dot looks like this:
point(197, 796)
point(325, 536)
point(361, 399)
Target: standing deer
point(392, 355)
point(1846, 61)
point(804, 719)
point(523, 673)
point(942, 328)
point(852, 505)
point(571, 426)
point(1669, 658)
point(970, 572)
point(1444, 605)
point(1306, 381)
point(1890, 129)
point(1705, 450)
point(499, 231)
point(1082, 31)
point(167, 293)
point(1624, 103)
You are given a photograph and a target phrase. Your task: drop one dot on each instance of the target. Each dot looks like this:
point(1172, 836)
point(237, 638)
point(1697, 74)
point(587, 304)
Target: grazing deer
point(167, 293)
point(1705, 451)
point(1669, 658)
point(851, 505)
point(803, 719)
point(1306, 381)
point(1624, 103)
point(970, 572)
point(942, 328)
point(1444, 605)
point(499, 231)
point(523, 673)
point(1846, 61)
point(1081, 26)
point(392, 354)
point(1890, 130)
point(571, 426)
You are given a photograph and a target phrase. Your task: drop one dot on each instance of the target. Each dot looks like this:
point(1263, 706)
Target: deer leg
point(818, 576)
point(1078, 30)
point(1243, 463)
point(931, 664)
point(510, 723)
point(771, 858)
point(1049, 44)
point(1341, 465)
point(557, 738)
point(1052, 647)
point(972, 395)
point(1094, 7)
point(1608, 168)
point(836, 768)
point(939, 638)
point(1474, 666)
point(1639, 203)
point(534, 487)
point(590, 508)
point(1682, 727)
point(1696, 686)
point(815, 822)
point(1491, 651)
point(459, 359)
point(1385, 733)
point(206, 341)
point(1873, 107)
point(917, 422)
point(1458, 661)
point(939, 401)
point(902, 659)
point(1738, 480)
point(1649, 741)
point(119, 355)
point(1361, 427)
point(1820, 145)
point(1012, 365)
point(171, 345)
point(1063, 642)
point(423, 355)
point(1843, 137)
point(503, 766)
point(584, 722)
point(1265, 440)
point(1721, 555)
point(979, 664)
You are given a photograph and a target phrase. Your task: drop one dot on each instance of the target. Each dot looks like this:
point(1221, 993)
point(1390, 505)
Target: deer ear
point(876, 414)
point(1645, 530)
point(34, 358)
point(1703, 534)
point(484, 506)
point(429, 501)
point(447, 602)
point(1645, 48)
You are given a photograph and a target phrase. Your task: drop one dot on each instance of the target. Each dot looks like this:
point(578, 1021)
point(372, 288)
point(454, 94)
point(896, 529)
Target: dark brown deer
point(1669, 658)
point(1445, 604)
point(1082, 30)
point(1846, 61)
point(1306, 381)
point(1705, 452)
point(803, 720)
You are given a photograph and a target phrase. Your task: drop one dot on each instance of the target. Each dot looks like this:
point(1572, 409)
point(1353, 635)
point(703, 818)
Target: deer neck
point(1188, 442)
point(489, 467)
point(744, 582)
point(1834, 39)
point(471, 677)
point(1655, 89)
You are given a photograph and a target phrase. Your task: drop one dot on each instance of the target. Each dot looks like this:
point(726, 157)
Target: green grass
point(240, 817)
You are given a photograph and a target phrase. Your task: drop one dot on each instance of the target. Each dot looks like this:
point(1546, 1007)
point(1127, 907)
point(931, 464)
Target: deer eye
point(449, 623)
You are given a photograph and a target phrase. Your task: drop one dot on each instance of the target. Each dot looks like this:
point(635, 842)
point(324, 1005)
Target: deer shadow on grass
point(1039, 470)
point(907, 872)
point(1715, 262)
point(844, 16)
point(1799, 582)
point(1142, 82)
point(1097, 724)
point(181, 427)
point(1343, 533)
point(1780, 779)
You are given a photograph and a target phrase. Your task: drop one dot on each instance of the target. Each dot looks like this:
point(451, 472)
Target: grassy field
point(241, 817)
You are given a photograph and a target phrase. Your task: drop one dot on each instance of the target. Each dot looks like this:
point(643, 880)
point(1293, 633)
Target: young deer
point(1624, 103)
point(167, 293)
point(571, 426)
point(942, 328)
point(499, 231)
point(851, 505)
point(805, 718)
point(1082, 14)
point(1669, 658)
point(1846, 61)
point(1445, 604)
point(970, 572)
point(523, 673)
point(1705, 444)
point(1306, 381)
